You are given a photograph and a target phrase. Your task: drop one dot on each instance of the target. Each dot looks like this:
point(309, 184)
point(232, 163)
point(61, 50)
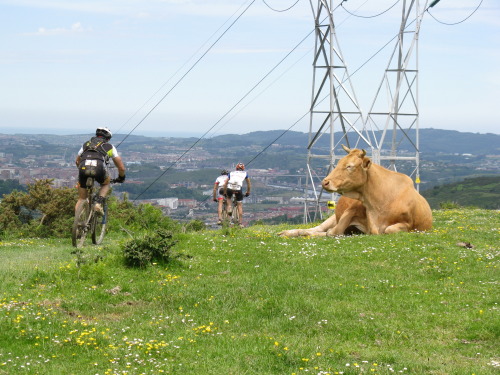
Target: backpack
point(93, 149)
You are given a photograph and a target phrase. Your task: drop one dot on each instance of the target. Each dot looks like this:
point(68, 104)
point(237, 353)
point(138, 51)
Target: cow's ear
point(366, 162)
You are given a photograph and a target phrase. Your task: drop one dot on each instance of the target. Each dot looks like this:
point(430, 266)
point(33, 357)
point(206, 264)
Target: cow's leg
point(395, 228)
point(344, 221)
point(319, 230)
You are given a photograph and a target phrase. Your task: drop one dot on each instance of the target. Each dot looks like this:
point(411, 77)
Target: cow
point(374, 200)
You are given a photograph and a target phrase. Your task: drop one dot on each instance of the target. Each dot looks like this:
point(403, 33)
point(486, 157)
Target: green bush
point(125, 215)
point(148, 248)
point(195, 226)
point(449, 205)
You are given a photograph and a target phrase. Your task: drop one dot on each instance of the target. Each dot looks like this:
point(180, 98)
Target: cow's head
point(350, 172)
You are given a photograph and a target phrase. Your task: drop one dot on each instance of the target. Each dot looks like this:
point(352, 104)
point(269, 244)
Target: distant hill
point(481, 192)
point(431, 140)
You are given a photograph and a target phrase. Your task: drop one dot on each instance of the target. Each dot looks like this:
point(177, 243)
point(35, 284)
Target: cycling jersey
point(236, 179)
point(220, 181)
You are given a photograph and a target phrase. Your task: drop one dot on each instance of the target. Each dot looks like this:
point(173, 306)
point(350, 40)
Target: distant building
point(172, 203)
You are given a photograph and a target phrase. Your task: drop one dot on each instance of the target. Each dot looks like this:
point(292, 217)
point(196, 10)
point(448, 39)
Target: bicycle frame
point(87, 220)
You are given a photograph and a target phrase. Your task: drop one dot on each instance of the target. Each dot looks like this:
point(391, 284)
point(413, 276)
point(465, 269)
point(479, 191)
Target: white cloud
point(76, 28)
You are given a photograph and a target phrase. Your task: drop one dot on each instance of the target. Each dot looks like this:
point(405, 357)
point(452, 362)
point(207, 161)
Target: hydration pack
point(93, 149)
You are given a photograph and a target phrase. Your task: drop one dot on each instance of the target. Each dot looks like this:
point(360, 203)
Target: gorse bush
point(148, 248)
point(125, 215)
point(42, 211)
point(45, 211)
point(195, 226)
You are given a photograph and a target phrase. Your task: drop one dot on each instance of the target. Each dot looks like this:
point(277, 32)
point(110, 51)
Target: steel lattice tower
point(389, 132)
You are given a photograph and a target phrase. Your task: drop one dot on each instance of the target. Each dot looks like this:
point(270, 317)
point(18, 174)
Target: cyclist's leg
point(103, 178)
point(229, 202)
point(219, 208)
point(82, 190)
point(239, 199)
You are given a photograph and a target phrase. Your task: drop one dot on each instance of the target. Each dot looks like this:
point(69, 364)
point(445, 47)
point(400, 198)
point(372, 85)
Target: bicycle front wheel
point(98, 229)
point(80, 229)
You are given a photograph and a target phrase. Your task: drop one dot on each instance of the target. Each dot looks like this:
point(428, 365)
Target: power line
point(227, 112)
point(179, 69)
point(376, 15)
point(188, 71)
point(455, 23)
point(280, 10)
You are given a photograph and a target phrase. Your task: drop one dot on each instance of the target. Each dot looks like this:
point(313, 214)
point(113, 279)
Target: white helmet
point(104, 132)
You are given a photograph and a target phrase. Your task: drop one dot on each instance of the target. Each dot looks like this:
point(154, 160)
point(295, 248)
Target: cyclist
point(234, 185)
point(92, 161)
point(219, 191)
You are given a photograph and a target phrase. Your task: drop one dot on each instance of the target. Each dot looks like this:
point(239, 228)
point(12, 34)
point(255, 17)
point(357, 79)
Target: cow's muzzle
point(328, 186)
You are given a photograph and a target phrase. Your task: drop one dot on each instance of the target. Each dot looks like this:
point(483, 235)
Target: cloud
point(76, 28)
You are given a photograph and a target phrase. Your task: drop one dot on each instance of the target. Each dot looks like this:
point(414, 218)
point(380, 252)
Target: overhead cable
point(188, 71)
point(455, 23)
point(227, 112)
point(178, 70)
point(280, 10)
point(376, 15)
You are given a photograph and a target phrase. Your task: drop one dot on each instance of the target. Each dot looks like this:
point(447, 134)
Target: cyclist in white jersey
point(234, 185)
point(218, 192)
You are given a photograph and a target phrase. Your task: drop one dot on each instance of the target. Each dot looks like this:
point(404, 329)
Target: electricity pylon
point(389, 132)
point(333, 106)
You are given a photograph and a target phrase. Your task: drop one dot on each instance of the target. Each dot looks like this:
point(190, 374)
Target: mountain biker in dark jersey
point(92, 161)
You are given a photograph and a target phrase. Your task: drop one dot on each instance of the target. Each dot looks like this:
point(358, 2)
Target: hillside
point(482, 192)
point(247, 301)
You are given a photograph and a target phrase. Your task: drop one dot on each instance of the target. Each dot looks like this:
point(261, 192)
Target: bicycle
point(234, 216)
point(88, 220)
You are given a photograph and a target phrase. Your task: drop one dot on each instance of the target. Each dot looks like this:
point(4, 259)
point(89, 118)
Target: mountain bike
point(233, 217)
point(87, 220)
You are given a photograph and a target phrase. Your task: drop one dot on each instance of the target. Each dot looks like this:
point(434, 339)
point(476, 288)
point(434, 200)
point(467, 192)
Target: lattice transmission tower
point(389, 131)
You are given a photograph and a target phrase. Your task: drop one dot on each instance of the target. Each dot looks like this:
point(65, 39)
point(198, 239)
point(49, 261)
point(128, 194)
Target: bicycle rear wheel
point(80, 229)
point(98, 228)
point(236, 213)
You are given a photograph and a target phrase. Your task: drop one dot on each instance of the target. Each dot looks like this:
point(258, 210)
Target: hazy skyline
point(69, 66)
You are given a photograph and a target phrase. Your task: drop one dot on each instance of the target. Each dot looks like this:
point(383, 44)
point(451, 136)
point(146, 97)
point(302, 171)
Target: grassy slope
point(481, 192)
point(250, 302)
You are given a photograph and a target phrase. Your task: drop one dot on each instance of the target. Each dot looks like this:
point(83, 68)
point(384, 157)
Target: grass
point(249, 302)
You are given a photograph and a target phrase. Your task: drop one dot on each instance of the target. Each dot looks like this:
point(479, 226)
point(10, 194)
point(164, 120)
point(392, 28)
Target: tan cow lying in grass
point(374, 200)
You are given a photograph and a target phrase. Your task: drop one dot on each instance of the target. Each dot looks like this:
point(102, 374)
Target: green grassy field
point(249, 302)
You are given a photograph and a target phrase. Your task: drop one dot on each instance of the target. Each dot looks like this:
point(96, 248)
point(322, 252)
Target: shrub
point(195, 226)
point(148, 248)
point(449, 205)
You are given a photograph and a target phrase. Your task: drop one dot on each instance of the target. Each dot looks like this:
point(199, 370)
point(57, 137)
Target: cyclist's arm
point(119, 165)
point(249, 185)
point(78, 160)
point(214, 193)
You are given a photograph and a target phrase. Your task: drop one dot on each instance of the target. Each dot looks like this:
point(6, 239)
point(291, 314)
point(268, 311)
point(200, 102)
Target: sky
point(212, 67)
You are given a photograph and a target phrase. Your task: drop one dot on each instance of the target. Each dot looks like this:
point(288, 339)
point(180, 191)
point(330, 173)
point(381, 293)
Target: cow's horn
point(346, 149)
point(363, 153)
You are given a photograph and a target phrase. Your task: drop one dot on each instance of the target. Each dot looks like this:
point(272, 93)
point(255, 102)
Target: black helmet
point(224, 171)
point(104, 132)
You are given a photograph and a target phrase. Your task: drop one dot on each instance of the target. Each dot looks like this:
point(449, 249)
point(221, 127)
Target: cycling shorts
point(94, 168)
point(237, 193)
